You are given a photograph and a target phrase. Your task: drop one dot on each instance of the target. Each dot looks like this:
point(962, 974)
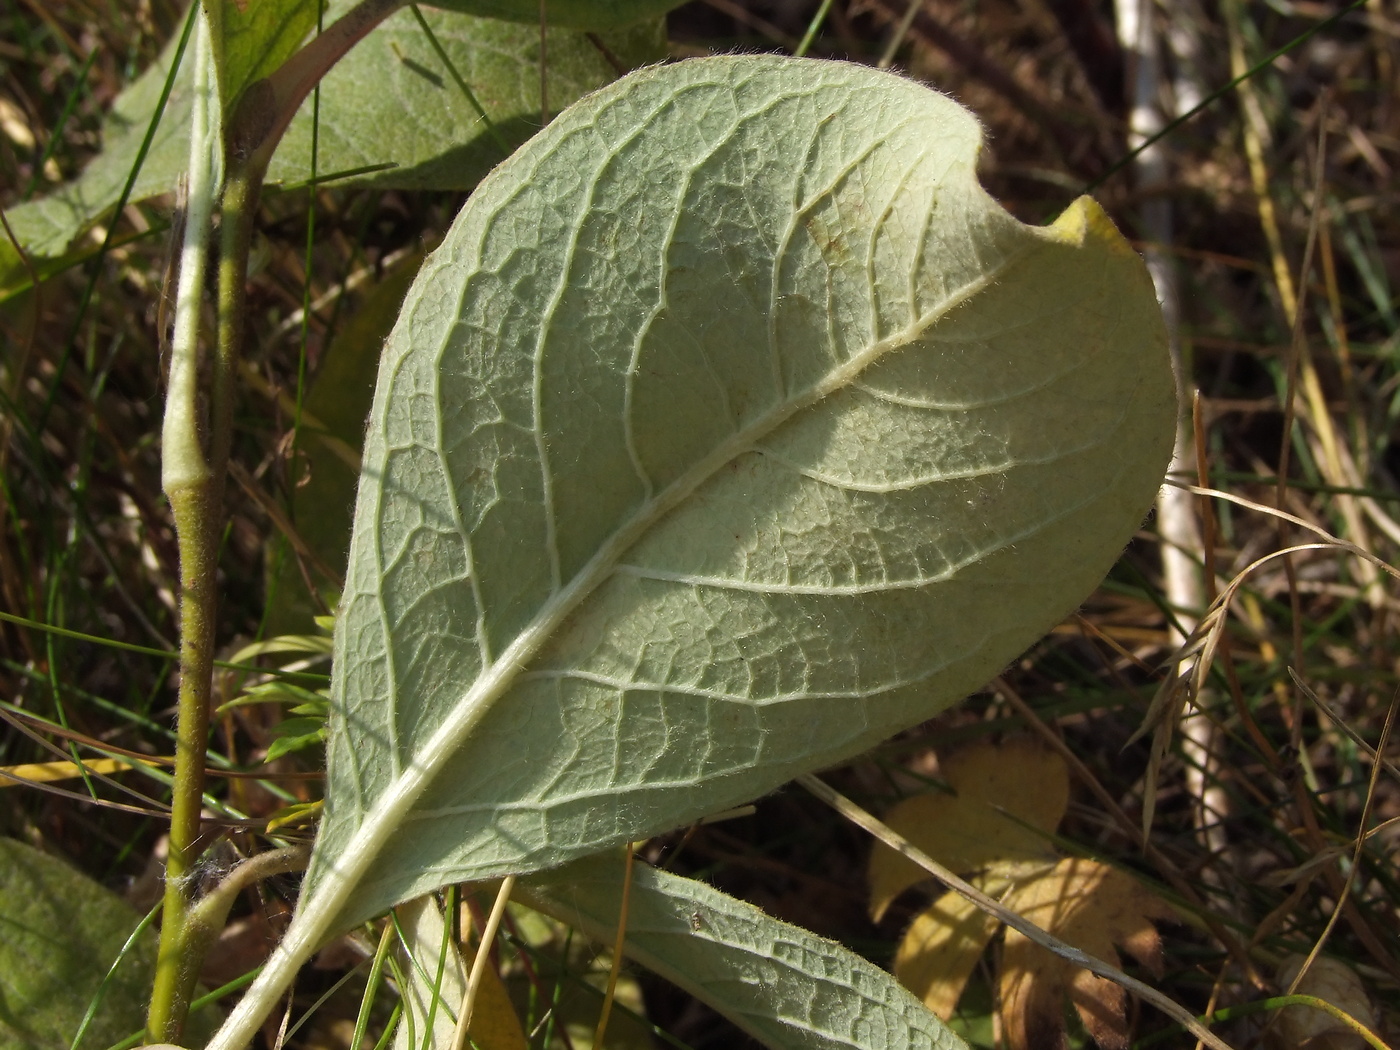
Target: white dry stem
point(182, 460)
point(1182, 551)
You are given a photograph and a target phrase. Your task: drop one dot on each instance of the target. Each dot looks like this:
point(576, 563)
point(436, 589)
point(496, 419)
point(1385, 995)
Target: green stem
point(194, 487)
point(197, 508)
point(193, 483)
point(198, 543)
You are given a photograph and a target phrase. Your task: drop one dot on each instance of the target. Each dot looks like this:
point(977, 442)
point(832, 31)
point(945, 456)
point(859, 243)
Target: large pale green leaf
point(390, 100)
point(786, 987)
point(60, 933)
point(732, 428)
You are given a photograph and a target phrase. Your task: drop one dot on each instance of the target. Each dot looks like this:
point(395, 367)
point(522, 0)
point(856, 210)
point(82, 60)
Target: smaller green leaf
point(392, 99)
point(295, 738)
point(296, 813)
point(285, 643)
point(299, 726)
point(286, 745)
point(388, 101)
point(60, 933)
point(783, 985)
point(253, 39)
point(318, 709)
point(46, 228)
point(279, 692)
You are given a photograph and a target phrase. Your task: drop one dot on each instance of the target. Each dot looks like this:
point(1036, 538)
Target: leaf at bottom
point(786, 987)
point(60, 932)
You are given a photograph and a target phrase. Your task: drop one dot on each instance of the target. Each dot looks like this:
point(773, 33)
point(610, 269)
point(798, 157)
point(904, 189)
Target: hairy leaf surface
point(252, 40)
point(60, 935)
point(786, 987)
point(732, 428)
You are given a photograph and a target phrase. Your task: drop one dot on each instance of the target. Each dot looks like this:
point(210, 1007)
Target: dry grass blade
point(1361, 837)
point(1376, 755)
point(480, 962)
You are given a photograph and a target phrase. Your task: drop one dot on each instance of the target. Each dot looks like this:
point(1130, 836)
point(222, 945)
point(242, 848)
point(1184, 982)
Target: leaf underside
point(732, 428)
point(788, 988)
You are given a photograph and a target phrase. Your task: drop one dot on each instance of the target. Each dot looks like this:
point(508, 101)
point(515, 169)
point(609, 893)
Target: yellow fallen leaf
point(940, 949)
point(994, 783)
point(436, 980)
point(1093, 907)
point(495, 1024)
point(1009, 798)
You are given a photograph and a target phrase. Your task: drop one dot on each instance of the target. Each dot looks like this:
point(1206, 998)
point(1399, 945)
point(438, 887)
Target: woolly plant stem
point(193, 479)
point(193, 485)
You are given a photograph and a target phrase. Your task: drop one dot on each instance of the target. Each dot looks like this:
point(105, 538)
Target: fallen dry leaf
point(1009, 799)
point(939, 950)
point(494, 1023)
point(999, 789)
point(1306, 1028)
point(1093, 907)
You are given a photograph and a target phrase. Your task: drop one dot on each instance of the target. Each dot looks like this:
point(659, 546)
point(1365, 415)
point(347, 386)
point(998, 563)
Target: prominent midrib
point(317, 913)
point(493, 683)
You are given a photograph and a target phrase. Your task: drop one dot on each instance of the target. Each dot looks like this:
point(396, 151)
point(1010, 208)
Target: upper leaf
point(389, 101)
point(252, 40)
point(732, 428)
